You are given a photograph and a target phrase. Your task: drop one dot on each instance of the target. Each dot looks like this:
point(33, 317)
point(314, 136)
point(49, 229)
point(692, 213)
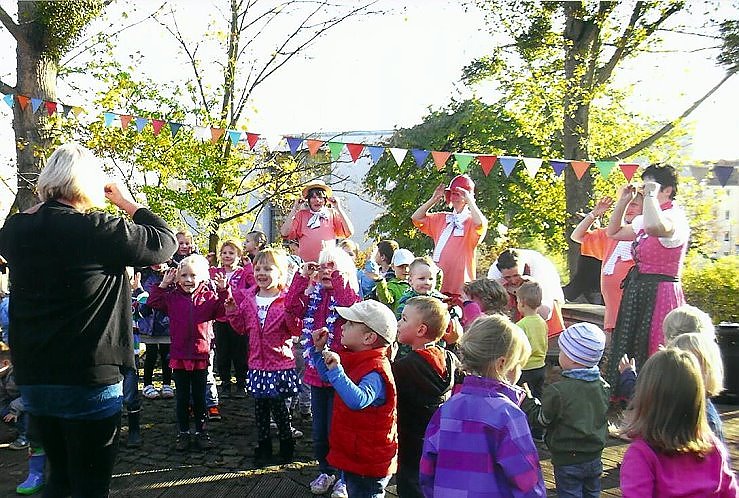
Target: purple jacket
point(270, 347)
point(190, 318)
point(479, 442)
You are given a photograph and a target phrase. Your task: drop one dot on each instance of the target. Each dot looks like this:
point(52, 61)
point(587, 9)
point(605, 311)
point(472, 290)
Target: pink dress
point(311, 240)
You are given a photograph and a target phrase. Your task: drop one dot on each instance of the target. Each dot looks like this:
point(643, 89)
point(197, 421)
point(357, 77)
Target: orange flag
point(125, 119)
point(440, 158)
point(580, 167)
point(216, 134)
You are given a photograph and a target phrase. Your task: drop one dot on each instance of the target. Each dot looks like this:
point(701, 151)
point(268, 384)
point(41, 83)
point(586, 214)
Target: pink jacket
point(296, 304)
point(242, 279)
point(190, 318)
point(270, 347)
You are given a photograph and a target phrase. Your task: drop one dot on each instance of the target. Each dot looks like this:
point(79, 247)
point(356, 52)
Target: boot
point(287, 450)
point(263, 453)
point(35, 480)
point(134, 430)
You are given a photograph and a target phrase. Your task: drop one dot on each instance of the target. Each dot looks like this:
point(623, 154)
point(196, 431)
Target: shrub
point(713, 286)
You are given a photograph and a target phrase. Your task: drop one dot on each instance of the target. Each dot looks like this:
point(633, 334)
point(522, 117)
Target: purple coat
point(479, 443)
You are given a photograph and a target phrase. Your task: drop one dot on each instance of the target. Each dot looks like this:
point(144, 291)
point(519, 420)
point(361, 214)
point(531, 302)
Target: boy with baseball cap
point(573, 412)
point(363, 442)
point(389, 290)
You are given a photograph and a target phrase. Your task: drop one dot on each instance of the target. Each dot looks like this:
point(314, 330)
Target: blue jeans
point(581, 480)
point(365, 487)
point(322, 403)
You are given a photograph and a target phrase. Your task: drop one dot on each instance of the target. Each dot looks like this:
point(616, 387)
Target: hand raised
point(320, 338)
point(331, 359)
point(602, 206)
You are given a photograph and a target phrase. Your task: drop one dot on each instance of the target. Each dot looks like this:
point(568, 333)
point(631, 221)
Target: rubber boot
point(287, 450)
point(263, 453)
point(35, 480)
point(134, 430)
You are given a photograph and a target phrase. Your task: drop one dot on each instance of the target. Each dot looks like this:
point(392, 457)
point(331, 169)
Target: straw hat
point(317, 184)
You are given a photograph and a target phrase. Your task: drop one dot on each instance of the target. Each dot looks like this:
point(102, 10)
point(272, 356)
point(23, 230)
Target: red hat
point(459, 181)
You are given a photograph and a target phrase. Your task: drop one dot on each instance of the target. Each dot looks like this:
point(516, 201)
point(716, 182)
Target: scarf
point(314, 301)
point(622, 251)
point(454, 227)
point(586, 374)
point(315, 220)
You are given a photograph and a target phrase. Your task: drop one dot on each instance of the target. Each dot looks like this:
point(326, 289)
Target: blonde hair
point(423, 261)
point(668, 410)
point(434, 313)
point(343, 262)
point(708, 354)
point(530, 294)
point(187, 234)
point(277, 258)
point(349, 244)
point(233, 245)
point(489, 338)
point(72, 172)
point(686, 319)
point(199, 265)
point(490, 294)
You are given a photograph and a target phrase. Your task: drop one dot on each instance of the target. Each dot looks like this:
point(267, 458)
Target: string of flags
point(462, 160)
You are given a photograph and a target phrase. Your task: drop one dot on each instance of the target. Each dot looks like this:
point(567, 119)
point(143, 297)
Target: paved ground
point(156, 470)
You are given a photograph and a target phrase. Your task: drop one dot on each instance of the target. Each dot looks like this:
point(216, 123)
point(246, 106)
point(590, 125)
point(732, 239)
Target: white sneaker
point(321, 484)
point(150, 392)
point(167, 392)
point(339, 490)
point(297, 433)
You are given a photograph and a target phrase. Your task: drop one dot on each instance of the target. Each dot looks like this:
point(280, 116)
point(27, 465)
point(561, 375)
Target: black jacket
point(71, 309)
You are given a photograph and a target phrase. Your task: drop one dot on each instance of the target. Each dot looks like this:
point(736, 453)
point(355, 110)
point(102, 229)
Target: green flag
point(605, 167)
point(463, 161)
point(335, 148)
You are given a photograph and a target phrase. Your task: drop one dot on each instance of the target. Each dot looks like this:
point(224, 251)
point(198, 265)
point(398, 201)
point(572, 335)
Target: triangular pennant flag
point(355, 150)
point(234, 136)
point(313, 146)
point(35, 104)
point(125, 119)
point(273, 142)
point(252, 139)
point(440, 158)
point(201, 133)
point(294, 144)
point(723, 173)
point(157, 124)
point(398, 154)
point(628, 170)
point(216, 134)
point(23, 101)
point(508, 163)
point(174, 128)
point(532, 165)
point(335, 148)
point(50, 107)
point(109, 117)
point(77, 110)
point(605, 167)
point(558, 166)
point(376, 152)
point(9, 100)
point(463, 160)
point(420, 156)
point(580, 167)
point(66, 109)
point(487, 163)
point(141, 123)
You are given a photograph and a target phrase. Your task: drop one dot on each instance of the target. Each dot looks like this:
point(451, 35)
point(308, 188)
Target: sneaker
point(214, 413)
point(339, 490)
point(297, 434)
point(203, 441)
point(272, 424)
point(183, 441)
point(21, 443)
point(321, 484)
point(167, 392)
point(150, 392)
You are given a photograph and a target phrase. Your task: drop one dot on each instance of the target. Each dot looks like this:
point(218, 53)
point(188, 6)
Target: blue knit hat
point(583, 343)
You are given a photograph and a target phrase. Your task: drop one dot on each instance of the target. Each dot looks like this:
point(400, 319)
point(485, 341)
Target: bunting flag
point(141, 124)
point(440, 158)
point(558, 166)
point(376, 152)
point(216, 134)
point(66, 110)
point(9, 100)
point(420, 156)
point(398, 154)
point(109, 117)
point(508, 163)
point(201, 133)
point(605, 167)
point(463, 161)
point(252, 139)
point(35, 104)
point(487, 163)
point(532, 165)
point(234, 136)
point(355, 150)
point(722, 174)
point(313, 146)
point(50, 107)
point(294, 143)
point(335, 148)
point(77, 110)
point(23, 101)
point(174, 128)
point(628, 170)
point(580, 167)
point(125, 119)
point(157, 125)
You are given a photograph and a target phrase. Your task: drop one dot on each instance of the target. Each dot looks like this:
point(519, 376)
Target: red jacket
point(190, 318)
point(270, 347)
point(365, 442)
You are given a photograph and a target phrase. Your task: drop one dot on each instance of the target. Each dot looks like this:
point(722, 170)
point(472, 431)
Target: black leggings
point(81, 454)
point(262, 409)
point(152, 352)
point(190, 382)
point(231, 348)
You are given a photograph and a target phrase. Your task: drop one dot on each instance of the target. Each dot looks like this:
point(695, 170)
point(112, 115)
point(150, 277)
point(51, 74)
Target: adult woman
point(71, 313)
point(315, 220)
point(652, 288)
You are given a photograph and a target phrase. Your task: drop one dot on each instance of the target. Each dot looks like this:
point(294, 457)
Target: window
point(727, 215)
point(727, 236)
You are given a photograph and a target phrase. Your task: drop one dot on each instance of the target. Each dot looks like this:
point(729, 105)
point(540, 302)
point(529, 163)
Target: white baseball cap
point(402, 257)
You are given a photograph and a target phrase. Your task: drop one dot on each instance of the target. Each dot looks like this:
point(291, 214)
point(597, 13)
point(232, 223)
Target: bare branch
point(13, 28)
point(6, 89)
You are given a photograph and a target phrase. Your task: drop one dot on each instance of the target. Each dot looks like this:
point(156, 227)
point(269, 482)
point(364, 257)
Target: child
point(535, 328)
point(390, 289)
point(254, 242)
point(185, 246)
point(687, 319)
point(367, 276)
point(478, 443)
point(191, 306)
point(483, 296)
point(573, 412)
point(674, 452)
point(272, 376)
point(4, 319)
point(424, 379)
point(364, 438)
point(384, 256)
point(154, 332)
point(314, 295)
point(12, 410)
